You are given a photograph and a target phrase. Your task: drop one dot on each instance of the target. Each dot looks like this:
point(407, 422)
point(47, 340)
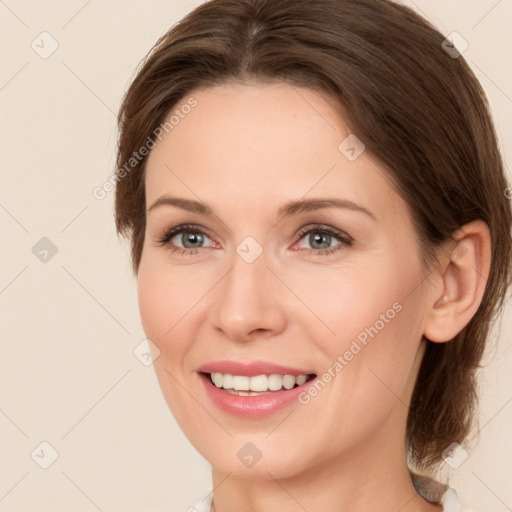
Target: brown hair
point(417, 109)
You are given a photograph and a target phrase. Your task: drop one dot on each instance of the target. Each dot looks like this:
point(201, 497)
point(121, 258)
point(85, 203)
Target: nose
point(249, 302)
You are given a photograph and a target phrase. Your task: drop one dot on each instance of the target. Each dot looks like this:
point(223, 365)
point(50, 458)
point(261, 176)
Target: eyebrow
point(289, 209)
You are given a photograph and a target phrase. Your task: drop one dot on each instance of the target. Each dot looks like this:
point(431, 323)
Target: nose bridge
point(247, 299)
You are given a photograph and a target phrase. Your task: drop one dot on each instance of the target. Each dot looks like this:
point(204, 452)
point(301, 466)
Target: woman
point(315, 201)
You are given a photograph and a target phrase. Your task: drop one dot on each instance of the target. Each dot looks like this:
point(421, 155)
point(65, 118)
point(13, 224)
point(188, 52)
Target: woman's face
point(263, 281)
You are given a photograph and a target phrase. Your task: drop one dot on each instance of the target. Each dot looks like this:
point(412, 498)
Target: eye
point(190, 237)
point(320, 238)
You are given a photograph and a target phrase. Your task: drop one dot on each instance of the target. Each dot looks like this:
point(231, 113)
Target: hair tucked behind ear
point(421, 112)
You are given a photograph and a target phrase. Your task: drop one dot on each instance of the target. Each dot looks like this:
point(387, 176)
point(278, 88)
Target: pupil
point(320, 238)
point(193, 238)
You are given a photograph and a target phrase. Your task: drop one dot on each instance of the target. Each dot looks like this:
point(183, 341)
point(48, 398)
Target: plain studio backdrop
point(75, 394)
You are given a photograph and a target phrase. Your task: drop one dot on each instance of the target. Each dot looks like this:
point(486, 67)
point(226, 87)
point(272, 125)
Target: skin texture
point(246, 150)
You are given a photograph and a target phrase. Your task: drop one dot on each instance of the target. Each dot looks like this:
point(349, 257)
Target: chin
point(254, 457)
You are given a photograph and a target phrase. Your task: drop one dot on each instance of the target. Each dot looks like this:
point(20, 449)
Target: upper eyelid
point(302, 232)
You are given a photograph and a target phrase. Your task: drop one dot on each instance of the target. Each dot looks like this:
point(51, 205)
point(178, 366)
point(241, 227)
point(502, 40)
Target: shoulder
point(203, 505)
point(428, 487)
point(437, 492)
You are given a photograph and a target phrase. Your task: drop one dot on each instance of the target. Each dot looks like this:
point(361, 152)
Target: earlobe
point(464, 268)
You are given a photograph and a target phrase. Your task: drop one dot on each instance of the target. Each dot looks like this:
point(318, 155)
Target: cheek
point(164, 299)
point(163, 304)
point(351, 300)
point(160, 315)
point(152, 300)
point(376, 316)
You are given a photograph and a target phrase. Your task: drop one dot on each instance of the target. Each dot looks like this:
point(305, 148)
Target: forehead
point(254, 144)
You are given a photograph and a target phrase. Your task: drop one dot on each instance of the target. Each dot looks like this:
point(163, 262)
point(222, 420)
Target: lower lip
point(252, 406)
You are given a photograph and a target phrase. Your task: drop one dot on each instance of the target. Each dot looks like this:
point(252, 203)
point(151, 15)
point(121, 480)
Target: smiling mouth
point(242, 385)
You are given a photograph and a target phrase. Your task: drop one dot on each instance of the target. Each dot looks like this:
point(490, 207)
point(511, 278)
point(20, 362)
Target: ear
point(458, 285)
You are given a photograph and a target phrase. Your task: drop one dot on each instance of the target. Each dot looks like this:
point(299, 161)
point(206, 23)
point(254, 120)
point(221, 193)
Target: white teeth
point(217, 379)
point(227, 381)
point(240, 382)
point(256, 384)
point(275, 382)
point(288, 381)
point(301, 379)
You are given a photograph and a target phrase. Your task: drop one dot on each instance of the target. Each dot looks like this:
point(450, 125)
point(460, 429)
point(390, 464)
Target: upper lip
point(251, 369)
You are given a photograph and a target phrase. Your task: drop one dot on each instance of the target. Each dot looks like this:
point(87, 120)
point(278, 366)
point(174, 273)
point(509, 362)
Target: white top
point(427, 487)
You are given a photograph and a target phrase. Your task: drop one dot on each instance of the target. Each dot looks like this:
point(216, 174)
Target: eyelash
point(346, 240)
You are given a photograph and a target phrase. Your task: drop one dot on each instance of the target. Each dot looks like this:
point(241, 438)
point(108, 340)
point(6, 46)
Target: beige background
point(68, 375)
